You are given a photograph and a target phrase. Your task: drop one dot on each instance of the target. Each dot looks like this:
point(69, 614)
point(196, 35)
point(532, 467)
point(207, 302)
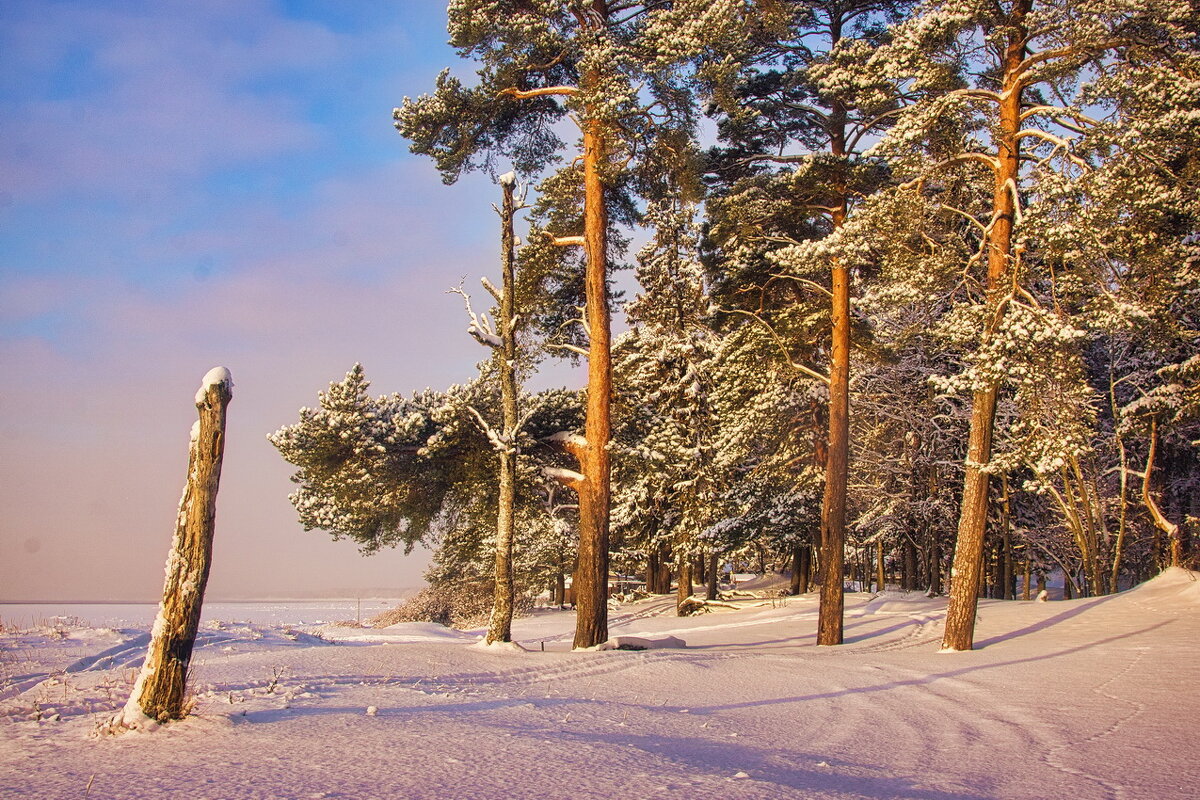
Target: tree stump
point(159, 693)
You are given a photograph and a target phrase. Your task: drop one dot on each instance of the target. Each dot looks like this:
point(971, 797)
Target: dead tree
point(502, 339)
point(159, 693)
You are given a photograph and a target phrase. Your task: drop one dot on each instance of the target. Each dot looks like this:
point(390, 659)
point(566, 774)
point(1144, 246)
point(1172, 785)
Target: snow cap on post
point(217, 376)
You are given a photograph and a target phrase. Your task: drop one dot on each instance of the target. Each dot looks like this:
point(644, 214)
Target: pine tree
point(665, 364)
point(541, 60)
point(794, 105)
point(1002, 84)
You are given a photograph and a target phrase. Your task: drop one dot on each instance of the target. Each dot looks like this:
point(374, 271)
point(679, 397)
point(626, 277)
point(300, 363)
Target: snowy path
point(1080, 699)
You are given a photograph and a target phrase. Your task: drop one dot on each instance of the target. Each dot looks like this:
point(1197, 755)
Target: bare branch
point(563, 241)
point(480, 326)
point(492, 290)
point(1058, 142)
point(571, 348)
point(525, 94)
point(499, 442)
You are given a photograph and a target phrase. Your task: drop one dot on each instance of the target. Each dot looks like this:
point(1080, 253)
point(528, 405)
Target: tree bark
point(833, 506)
point(500, 627)
point(880, 573)
point(795, 588)
point(591, 595)
point(910, 565)
point(1161, 522)
point(684, 589)
point(934, 565)
point(159, 692)
point(972, 522)
point(806, 568)
point(710, 588)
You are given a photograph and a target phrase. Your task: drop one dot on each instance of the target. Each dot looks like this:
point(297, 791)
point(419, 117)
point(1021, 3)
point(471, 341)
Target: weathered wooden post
point(158, 694)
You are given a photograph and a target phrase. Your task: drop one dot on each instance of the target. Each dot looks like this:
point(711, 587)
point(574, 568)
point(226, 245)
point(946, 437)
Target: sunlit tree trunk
point(1161, 523)
point(591, 595)
point(159, 692)
point(972, 523)
point(833, 506)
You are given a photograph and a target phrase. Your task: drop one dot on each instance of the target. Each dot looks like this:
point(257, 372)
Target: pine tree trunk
point(710, 589)
point(935, 566)
point(972, 522)
point(880, 574)
point(806, 558)
point(794, 589)
point(591, 590)
point(1161, 523)
point(500, 627)
point(664, 570)
point(910, 565)
point(1007, 576)
point(833, 507)
point(684, 589)
point(159, 692)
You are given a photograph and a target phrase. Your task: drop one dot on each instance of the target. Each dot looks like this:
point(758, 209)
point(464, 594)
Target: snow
point(563, 474)
point(567, 438)
point(1085, 698)
point(214, 377)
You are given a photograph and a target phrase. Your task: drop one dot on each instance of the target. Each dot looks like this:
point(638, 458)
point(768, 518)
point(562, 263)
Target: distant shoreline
point(314, 599)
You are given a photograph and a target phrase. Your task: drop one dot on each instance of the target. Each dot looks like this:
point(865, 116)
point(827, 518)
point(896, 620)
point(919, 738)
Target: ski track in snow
point(1063, 699)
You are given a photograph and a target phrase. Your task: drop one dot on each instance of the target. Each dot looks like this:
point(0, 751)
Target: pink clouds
point(171, 209)
point(92, 470)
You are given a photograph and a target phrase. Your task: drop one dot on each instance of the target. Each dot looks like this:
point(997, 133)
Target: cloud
point(202, 184)
point(133, 99)
point(94, 439)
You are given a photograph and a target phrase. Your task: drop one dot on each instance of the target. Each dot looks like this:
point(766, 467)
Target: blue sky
point(189, 184)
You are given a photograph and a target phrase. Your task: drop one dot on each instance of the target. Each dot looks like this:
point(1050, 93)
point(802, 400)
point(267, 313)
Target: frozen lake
point(261, 612)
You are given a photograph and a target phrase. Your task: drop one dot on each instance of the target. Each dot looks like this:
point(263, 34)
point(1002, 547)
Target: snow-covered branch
point(480, 326)
point(499, 442)
point(492, 290)
point(570, 348)
point(564, 241)
point(1058, 142)
point(567, 477)
point(525, 94)
point(573, 443)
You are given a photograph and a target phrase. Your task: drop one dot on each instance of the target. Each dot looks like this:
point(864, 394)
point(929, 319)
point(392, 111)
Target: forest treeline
point(919, 293)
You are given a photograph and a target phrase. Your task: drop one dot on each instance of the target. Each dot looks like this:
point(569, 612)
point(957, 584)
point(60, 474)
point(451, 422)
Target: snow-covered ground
point(1091, 698)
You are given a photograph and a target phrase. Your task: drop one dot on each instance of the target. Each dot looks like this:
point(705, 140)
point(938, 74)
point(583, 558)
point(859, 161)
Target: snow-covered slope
point(1090, 698)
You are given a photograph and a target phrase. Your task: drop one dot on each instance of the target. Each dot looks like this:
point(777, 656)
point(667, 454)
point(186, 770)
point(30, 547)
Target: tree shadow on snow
point(786, 769)
point(925, 679)
point(1043, 624)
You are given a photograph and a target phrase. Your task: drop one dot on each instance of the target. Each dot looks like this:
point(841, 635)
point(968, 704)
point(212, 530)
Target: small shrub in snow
point(461, 605)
